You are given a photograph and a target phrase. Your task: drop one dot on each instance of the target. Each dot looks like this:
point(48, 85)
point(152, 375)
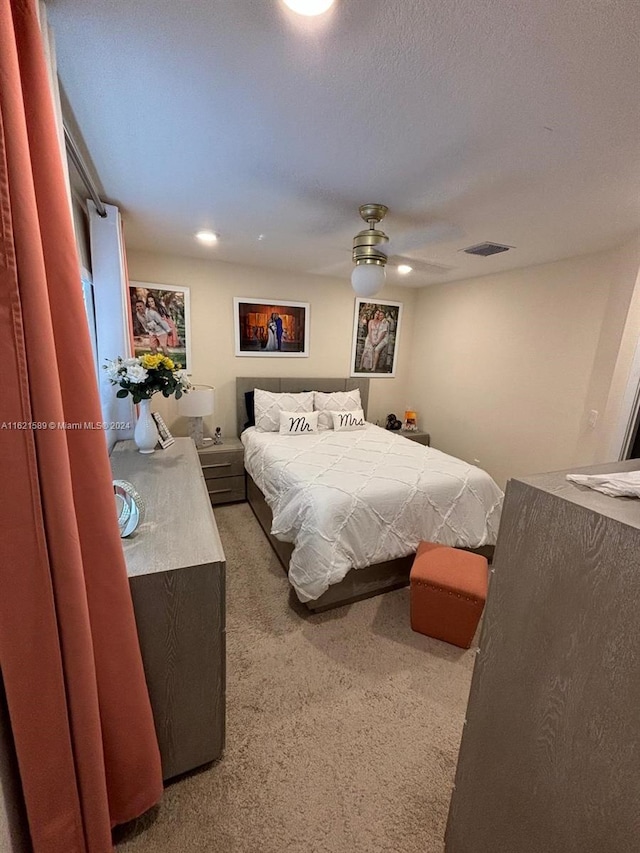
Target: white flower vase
point(145, 433)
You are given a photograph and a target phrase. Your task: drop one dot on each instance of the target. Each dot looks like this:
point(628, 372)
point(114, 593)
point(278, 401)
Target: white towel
point(624, 484)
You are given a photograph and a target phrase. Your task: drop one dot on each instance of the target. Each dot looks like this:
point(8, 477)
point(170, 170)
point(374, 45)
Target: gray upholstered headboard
point(295, 385)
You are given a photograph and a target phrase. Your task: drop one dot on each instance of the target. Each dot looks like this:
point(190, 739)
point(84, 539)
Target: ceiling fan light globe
point(368, 279)
point(209, 238)
point(309, 7)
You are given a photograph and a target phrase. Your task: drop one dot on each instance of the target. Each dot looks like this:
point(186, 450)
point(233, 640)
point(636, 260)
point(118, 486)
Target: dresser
point(549, 755)
point(176, 569)
point(223, 470)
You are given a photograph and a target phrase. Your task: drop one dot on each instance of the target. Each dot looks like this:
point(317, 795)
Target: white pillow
point(337, 401)
point(348, 421)
point(298, 423)
point(267, 407)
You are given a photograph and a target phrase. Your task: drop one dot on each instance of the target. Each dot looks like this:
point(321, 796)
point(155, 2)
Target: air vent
point(486, 249)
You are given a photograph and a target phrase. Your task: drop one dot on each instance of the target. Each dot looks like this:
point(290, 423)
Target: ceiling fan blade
point(341, 269)
point(418, 238)
point(425, 267)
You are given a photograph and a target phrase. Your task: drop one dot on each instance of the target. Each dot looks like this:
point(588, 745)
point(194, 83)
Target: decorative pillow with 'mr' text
point(268, 405)
point(298, 423)
point(336, 401)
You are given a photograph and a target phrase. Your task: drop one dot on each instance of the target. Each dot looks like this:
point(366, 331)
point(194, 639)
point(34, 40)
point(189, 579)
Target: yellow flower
point(168, 363)
point(150, 362)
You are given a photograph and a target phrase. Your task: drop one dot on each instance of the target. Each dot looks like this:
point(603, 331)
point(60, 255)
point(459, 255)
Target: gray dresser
point(549, 757)
point(176, 569)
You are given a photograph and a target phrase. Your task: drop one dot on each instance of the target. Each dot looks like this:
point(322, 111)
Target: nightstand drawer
point(229, 463)
point(226, 489)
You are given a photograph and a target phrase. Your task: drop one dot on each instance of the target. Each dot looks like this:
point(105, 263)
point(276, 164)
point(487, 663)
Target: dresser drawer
point(227, 489)
point(227, 464)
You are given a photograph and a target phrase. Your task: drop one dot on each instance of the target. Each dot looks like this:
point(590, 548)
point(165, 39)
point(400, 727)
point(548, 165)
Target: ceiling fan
point(372, 250)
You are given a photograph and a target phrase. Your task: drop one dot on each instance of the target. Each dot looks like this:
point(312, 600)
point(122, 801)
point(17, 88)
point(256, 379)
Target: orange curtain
point(69, 655)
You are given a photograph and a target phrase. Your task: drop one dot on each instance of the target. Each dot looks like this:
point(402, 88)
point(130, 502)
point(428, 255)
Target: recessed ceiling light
point(207, 237)
point(309, 7)
point(404, 269)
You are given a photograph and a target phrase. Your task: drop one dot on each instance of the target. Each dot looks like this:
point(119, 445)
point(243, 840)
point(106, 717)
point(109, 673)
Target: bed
point(345, 511)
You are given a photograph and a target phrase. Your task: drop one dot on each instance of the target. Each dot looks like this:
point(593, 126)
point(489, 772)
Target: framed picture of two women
point(376, 331)
point(271, 328)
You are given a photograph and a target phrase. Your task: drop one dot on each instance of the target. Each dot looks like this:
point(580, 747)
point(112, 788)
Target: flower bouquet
point(142, 378)
point(147, 375)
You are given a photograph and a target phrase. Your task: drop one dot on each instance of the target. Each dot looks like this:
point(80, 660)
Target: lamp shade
point(367, 279)
point(197, 403)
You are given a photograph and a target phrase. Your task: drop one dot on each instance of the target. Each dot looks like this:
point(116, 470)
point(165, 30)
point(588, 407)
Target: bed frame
point(358, 583)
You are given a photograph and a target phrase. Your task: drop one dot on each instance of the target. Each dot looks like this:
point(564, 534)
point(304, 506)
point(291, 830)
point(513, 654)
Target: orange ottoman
point(448, 592)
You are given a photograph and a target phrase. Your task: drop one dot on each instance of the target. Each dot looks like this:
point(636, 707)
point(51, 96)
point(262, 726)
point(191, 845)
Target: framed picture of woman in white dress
point(376, 332)
point(271, 327)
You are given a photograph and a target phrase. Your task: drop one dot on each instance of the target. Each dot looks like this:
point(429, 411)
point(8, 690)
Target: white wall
point(507, 367)
point(213, 285)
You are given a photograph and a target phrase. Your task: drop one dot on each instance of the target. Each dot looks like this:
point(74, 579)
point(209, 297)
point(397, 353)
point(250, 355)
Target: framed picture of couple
point(271, 328)
point(376, 331)
point(159, 315)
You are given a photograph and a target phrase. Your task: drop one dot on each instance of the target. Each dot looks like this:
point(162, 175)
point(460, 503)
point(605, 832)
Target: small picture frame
point(164, 436)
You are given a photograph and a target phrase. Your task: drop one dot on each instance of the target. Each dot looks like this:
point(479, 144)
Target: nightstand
point(223, 470)
point(417, 435)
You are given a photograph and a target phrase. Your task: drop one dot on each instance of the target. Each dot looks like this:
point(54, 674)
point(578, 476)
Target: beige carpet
point(342, 728)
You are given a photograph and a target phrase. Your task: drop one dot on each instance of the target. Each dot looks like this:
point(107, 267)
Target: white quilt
point(351, 499)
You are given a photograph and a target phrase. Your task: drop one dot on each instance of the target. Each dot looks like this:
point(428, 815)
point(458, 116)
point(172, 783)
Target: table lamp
point(194, 405)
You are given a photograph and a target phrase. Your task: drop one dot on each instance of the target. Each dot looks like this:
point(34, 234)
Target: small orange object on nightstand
point(448, 592)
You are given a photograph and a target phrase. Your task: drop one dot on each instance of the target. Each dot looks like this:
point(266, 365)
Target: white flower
point(135, 374)
point(183, 379)
point(113, 369)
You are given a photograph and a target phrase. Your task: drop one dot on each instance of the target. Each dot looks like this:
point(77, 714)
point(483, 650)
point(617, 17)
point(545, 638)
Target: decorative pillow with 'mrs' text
point(346, 421)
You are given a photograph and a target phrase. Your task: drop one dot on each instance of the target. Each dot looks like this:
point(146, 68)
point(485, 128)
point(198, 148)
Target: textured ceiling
point(506, 121)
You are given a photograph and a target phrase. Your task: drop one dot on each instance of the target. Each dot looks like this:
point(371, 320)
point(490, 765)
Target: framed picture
point(376, 332)
point(271, 328)
point(160, 321)
point(164, 436)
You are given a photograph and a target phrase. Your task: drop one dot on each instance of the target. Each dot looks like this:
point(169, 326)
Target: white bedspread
point(351, 499)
